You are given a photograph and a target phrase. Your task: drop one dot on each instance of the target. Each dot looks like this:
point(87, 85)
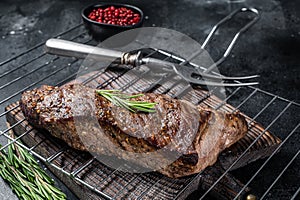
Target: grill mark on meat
point(191, 135)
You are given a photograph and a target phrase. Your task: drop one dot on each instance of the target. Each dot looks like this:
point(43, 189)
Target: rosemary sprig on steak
point(123, 100)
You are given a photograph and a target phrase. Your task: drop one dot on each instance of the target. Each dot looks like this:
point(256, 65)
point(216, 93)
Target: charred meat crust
point(197, 134)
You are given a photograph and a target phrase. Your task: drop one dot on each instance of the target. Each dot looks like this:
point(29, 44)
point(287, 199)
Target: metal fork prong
point(210, 83)
point(197, 71)
point(162, 65)
point(194, 71)
point(204, 75)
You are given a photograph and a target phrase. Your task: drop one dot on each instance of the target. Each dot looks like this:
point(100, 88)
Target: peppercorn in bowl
point(107, 19)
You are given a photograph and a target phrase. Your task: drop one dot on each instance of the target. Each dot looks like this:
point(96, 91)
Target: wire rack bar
point(296, 194)
point(9, 128)
point(34, 70)
point(75, 172)
point(25, 147)
point(7, 111)
point(280, 175)
point(223, 102)
point(279, 97)
point(63, 167)
point(31, 85)
point(268, 159)
point(134, 178)
point(148, 189)
point(22, 65)
point(126, 86)
point(262, 166)
point(15, 139)
point(245, 100)
point(104, 195)
point(227, 98)
point(55, 155)
point(27, 74)
point(111, 177)
point(247, 149)
point(262, 110)
point(155, 84)
point(38, 45)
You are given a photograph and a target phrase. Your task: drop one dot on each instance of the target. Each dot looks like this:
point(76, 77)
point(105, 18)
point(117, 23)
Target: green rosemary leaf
point(26, 197)
point(143, 109)
point(135, 96)
point(48, 179)
point(124, 104)
point(37, 192)
point(10, 155)
point(16, 163)
point(26, 156)
point(28, 172)
point(40, 174)
point(124, 100)
point(2, 174)
point(47, 191)
point(24, 175)
point(42, 190)
point(23, 196)
point(17, 191)
point(57, 192)
point(141, 104)
point(20, 152)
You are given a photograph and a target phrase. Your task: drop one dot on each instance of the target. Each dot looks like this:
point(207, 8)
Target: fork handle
point(72, 49)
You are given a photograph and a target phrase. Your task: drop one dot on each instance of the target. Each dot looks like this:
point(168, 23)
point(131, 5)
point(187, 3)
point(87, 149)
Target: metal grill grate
point(32, 68)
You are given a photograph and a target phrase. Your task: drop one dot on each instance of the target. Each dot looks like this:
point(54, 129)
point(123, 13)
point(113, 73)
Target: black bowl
point(101, 31)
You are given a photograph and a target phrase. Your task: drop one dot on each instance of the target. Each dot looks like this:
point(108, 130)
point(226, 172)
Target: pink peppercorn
point(121, 16)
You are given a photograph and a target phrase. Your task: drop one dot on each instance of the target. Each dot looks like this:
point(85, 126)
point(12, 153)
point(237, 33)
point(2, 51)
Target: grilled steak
point(178, 139)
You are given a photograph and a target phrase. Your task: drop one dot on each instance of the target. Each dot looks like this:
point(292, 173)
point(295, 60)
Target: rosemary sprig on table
point(124, 100)
point(24, 175)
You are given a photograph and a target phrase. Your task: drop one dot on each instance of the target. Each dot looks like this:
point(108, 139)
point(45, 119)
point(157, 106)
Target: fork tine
point(205, 75)
point(193, 80)
point(222, 84)
point(185, 71)
point(195, 71)
point(190, 72)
